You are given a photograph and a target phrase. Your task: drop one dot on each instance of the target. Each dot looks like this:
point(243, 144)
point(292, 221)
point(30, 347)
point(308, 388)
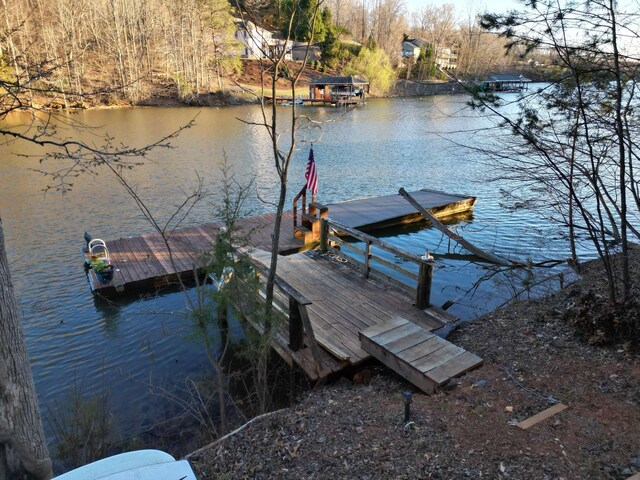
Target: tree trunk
point(21, 435)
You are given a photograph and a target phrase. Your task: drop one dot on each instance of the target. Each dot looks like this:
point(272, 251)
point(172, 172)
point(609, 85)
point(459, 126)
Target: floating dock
point(144, 262)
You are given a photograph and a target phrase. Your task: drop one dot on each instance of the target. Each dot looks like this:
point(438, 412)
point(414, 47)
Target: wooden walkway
point(354, 319)
point(144, 262)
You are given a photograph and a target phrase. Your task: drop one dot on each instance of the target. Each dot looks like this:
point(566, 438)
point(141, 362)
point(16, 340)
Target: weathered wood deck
point(416, 354)
point(369, 214)
point(354, 319)
point(351, 317)
point(144, 262)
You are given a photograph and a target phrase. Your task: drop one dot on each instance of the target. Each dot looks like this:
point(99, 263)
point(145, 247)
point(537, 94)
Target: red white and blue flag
point(311, 174)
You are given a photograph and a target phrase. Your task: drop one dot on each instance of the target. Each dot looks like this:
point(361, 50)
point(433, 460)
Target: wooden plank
point(455, 367)
point(549, 412)
point(404, 343)
point(311, 336)
point(154, 266)
point(384, 278)
point(121, 260)
point(157, 253)
point(437, 358)
point(321, 279)
point(333, 349)
point(397, 365)
point(139, 257)
point(396, 333)
point(339, 329)
point(383, 327)
point(140, 270)
point(421, 350)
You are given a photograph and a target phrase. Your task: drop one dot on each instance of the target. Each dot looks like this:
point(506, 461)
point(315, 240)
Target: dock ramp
point(416, 354)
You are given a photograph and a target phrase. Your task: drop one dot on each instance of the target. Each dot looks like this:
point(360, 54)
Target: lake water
point(374, 150)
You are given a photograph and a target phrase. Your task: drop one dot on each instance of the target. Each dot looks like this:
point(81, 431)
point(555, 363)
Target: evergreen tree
point(302, 11)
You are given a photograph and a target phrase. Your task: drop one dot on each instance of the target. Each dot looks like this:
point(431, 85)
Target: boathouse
point(505, 83)
point(338, 90)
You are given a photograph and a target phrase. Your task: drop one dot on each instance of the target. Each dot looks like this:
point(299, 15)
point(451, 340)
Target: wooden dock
point(348, 317)
point(369, 214)
point(354, 319)
point(144, 262)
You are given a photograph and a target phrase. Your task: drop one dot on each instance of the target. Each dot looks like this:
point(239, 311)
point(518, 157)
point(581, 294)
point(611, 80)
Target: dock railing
point(417, 285)
point(302, 195)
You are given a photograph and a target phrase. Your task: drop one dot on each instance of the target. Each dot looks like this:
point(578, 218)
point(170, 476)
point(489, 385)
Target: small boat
point(289, 103)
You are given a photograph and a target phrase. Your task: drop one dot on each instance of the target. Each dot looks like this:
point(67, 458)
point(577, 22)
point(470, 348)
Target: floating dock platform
point(144, 262)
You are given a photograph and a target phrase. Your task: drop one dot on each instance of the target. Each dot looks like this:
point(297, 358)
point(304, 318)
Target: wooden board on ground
point(549, 412)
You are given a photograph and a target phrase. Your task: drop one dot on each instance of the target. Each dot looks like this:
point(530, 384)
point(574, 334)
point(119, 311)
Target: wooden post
point(367, 258)
point(304, 202)
point(313, 344)
point(296, 331)
point(295, 214)
point(324, 235)
point(425, 277)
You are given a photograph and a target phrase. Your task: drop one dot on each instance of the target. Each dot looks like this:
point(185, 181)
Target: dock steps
point(416, 354)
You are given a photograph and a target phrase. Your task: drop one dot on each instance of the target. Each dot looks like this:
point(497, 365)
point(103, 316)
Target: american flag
point(311, 174)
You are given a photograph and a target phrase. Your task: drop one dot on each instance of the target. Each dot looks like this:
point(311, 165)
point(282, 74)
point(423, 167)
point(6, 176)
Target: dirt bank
point(533, 359)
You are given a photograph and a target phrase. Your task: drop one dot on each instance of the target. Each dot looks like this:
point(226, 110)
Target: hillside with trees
point(141, 51)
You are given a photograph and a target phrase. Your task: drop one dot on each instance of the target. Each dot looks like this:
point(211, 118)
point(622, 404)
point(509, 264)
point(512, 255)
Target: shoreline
point(400, 90)
point(534, 358)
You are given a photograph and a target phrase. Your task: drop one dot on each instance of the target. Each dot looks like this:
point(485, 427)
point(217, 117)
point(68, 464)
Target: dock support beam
point(425, 277)
point(296, 331)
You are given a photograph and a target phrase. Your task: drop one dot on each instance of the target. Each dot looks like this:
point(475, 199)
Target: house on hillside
point(412, 46)
point(259, 43)
point(505, 82)
point(445, 58)
point(338, 90)
point(299, 50)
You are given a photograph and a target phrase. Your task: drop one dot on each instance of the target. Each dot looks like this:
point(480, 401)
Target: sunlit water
point(128, 344)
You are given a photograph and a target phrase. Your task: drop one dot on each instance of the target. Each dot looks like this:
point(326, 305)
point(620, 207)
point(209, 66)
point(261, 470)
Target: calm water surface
point(127, 344)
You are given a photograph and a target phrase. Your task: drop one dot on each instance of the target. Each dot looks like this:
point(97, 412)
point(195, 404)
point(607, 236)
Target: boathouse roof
point(331, 80)
point(507, 77)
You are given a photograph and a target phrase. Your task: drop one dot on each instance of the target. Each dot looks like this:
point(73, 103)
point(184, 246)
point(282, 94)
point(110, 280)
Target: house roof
point(418, 42)
point(507, 77)
point(331, 80)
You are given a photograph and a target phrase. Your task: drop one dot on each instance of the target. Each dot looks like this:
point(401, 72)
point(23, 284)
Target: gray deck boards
point(424, 359)
point(343, 302)
point(389, 210)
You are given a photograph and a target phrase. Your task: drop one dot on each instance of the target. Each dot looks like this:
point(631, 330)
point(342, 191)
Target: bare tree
point(22, 443)
point(577, 138)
